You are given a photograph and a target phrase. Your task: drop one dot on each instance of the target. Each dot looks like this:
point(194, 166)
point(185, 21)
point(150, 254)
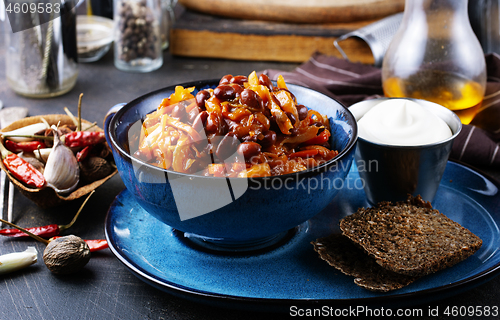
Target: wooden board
point(201, 35)
point(298, 11)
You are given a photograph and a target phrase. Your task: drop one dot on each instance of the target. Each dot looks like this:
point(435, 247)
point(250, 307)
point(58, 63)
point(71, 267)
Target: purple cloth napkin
point(477, 143)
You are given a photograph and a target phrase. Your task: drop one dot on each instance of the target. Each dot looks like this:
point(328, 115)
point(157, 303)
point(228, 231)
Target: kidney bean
point(226, 79)
point(264, 80)
point(302, 111)
point(193, 114)
point(268, 140)
point(239, 80)
point(273, 125)
point(249, 150)
point(251, 99)
point(291, 117)
point(319, 124)
point(225, 92)
point(200, 121)
point(179, 111)
point(237, 88)
point(215, 124)
point(201, 97)
point(227, 146)
point(212, 124)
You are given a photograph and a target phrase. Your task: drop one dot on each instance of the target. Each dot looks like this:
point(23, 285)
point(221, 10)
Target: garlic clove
point(42, 154)
point(18, 260)
point(62, 171)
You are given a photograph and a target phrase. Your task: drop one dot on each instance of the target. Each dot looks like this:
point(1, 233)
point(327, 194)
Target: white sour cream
point(402, 122)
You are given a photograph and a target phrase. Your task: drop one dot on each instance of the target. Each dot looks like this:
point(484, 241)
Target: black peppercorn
point(138, 32)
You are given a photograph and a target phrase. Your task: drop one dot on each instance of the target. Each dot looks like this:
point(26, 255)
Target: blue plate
point(292, 273)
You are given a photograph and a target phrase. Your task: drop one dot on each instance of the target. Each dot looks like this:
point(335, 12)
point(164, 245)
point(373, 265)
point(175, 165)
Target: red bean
point(213, 123)
point(193, 114)
point(200, 121)
point(268, 140)
point(302, 111)
point(291, 117)
point(264, 80)
point(179, 111)
point(226, 79)
point(274, 125)
point(239, 80)
point(320, 125)
point(225, 92)
point(201, 97)
point(237, 88)
point(294, 132)
point(251, 99)
point(227, 146)
point(249, 150)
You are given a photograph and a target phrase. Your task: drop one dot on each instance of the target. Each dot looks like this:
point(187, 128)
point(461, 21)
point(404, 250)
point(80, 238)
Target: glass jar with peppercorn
point(137, 38)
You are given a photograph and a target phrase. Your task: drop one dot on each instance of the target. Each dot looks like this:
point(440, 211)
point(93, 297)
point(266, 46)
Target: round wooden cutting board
point(298, 11)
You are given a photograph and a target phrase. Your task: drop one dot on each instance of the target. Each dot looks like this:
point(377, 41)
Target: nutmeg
point(94, 168)
point(66, 255)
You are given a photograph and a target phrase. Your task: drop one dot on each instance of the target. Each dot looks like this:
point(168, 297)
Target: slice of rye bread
point(410, 237)
point(341, 253)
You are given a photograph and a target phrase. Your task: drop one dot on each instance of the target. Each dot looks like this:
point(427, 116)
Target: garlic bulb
point(61, 170)
point(17, 260)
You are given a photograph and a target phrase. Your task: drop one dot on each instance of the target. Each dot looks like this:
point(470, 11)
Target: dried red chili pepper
point(28, 146)
point(94, 245)
point(47, 231)
point(82, 154)
point(21, 169)
point(44, 231)
point(83, 138)
point(24, 171)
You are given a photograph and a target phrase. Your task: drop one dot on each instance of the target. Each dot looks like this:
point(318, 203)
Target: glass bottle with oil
point(436, 56)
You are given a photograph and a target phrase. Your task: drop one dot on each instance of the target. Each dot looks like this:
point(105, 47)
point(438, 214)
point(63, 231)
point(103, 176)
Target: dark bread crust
point(410, 237)
point(341, 253)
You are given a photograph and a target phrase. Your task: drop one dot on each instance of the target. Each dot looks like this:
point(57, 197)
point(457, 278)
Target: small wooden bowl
point(47, 197)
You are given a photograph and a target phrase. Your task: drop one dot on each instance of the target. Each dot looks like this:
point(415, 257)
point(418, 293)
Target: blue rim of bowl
point(199, 84)
point(279, 304)
point(431, 145)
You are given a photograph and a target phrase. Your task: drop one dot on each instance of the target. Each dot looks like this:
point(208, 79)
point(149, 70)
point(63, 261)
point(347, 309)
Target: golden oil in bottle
point(462, 96)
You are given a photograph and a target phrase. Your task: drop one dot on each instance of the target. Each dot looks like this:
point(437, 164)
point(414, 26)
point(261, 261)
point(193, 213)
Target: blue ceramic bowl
point(233, 213)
